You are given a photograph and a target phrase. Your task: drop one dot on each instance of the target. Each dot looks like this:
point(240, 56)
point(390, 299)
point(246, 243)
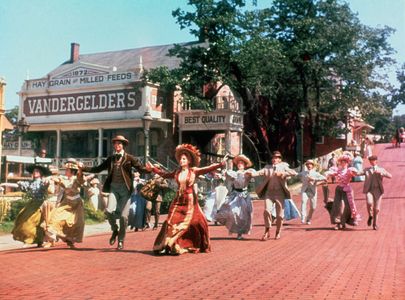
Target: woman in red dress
point(186, 229)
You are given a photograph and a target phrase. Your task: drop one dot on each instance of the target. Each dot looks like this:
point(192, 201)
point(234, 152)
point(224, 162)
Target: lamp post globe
point(22, 128)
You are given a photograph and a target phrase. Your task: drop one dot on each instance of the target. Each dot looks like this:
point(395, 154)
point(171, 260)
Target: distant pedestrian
point(374, 189)
point(357, 163)
point(309, 178)
point(136, 217)
point(94, 193)
point(274, 191)
point(153, 205)
point(368, 147)
point(332, 163)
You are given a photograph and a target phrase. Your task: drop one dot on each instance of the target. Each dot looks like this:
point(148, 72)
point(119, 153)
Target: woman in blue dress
point(237, 211)
point(357, 163)
point(136, 218)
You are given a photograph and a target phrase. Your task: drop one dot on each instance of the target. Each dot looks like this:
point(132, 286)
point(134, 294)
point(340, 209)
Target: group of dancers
point(56, 209)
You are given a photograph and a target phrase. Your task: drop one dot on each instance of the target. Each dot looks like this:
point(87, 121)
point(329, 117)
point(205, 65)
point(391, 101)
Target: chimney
point(74, 52)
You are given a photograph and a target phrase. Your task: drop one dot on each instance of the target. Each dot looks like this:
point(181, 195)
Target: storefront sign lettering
point(83, 103)
point(83, 78)
point(210, 119)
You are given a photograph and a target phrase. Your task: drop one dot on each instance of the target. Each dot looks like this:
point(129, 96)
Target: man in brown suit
point(374, 189)
point(274, 191)
point(155, 203)
point(119, 185)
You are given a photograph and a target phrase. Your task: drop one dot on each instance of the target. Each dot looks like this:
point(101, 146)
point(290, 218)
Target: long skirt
point(27, 227)
point(136, 217)
point(344, 212)
point(236, 213)
point(67, 221)
point(185, 230)
point(291, 211)
point(214, 202)
point(209, 207)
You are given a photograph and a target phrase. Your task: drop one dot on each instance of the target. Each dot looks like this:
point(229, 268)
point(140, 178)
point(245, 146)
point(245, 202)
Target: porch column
point(228, 142)
point(58, 147)
point(100, 145)
point(241, 142)
point(180, 137)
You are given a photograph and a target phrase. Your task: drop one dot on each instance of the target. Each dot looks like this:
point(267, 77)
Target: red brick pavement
point(308, 262)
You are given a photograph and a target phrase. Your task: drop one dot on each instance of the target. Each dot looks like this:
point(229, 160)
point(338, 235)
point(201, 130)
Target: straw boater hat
point(120, 138)
point(44, 171)
point(71, 163)
point(243, 158)
point(191, 151)
point(276, 154)
point(310, 161)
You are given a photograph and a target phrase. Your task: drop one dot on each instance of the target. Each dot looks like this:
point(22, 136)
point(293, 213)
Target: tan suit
point(274, 191)
point(374, 189)
point(373, 184)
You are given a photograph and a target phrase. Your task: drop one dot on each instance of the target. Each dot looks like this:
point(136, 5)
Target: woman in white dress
point(237, 211)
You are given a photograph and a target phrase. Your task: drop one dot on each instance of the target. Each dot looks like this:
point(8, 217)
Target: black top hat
point(43, 170)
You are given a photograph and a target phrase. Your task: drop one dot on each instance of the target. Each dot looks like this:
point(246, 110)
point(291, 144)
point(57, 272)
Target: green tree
point(311, 56)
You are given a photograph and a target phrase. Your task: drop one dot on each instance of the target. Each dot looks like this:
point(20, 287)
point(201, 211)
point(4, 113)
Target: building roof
point(129, 59)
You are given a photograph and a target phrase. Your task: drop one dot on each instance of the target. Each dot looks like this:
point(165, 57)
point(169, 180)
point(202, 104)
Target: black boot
point(113, 237)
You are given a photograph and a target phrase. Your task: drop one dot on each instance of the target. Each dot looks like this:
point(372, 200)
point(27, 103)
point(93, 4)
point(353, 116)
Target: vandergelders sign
point(117, 100)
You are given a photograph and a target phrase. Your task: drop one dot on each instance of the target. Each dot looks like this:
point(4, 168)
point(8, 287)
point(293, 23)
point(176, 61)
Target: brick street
point(308, 262)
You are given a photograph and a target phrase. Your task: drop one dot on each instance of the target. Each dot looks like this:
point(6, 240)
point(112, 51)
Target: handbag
point(150, 190)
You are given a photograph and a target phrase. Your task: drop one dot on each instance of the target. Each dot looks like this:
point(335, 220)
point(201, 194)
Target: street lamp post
point(146, 121)
point(22, 127)
point(302, 122)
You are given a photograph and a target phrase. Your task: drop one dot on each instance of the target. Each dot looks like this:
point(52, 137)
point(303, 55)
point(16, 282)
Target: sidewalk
point(7, 242)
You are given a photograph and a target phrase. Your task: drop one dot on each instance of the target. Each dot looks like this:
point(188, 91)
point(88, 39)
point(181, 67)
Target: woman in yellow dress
point(67, 220)
point(27, 227)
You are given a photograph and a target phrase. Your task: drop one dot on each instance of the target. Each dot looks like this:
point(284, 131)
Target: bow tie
point(117, 156)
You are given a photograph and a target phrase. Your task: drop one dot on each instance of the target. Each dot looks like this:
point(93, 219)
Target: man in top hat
point(309, 178)
point(374, 189)
point(274, 191)
point(119, 185)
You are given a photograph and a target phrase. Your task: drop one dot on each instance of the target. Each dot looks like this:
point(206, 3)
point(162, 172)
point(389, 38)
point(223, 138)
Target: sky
point(35, 35)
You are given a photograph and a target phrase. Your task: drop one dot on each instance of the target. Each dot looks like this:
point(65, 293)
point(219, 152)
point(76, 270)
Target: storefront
point(217, 132)
point(80, 106)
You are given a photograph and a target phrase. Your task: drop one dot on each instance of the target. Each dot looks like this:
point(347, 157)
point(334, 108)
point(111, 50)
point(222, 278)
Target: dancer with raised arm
point(186, 229)
point(119, 185)
point(27, 227)
point(237, 211)
point(343, 194)
point(274, 191)
point(374, 189)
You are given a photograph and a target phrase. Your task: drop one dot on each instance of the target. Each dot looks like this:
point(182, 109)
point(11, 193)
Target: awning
point(360, 125)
